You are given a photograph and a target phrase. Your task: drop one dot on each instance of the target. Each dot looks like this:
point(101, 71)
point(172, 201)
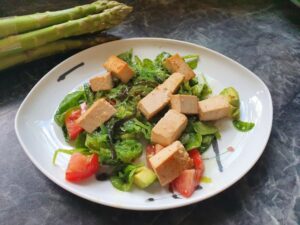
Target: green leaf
point(191, 140)
point(80, 140)
point(243, 126)
point(73, 99)
point(65, 133)
point(128, 150)
point(206, 142)
point(106, 157)
point(127, 56)
point(69, 152)
point(123, 177)
point(97, 140)
point(159, 60)
point(149, 71)
point(141, 88)
point(135, 129)
point(125, 109)
point(191, 60)
point(119, 93)
point(196, 86)
point(234, 101)
point(204, 128)
point(88, 94)
point(100, 143)
point(198, 134)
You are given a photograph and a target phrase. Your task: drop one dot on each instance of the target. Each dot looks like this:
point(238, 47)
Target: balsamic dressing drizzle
point(64, 75)
point(217, 152)
point(102, 176)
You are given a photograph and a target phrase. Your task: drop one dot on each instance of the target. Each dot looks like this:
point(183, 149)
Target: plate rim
point(139, 208)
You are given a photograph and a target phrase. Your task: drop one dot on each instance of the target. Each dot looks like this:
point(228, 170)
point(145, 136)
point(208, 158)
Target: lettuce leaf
point(197, 87)
point(80, 140)
point(191, 60)
point(88, 94)
point(234, 101)
point(125, 109)
point(127, 56)
point(71, 100)
point(69, 152)
point(134, 129)
point(159, 60)
point(128, 150)
point(198, 134)
point(123, 177)
point(148, 70)
point(100, 143)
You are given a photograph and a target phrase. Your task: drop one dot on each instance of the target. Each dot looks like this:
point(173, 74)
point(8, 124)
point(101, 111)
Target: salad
point(158, 108)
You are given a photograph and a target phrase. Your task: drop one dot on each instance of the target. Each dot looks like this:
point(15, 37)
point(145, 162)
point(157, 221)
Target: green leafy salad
point(158, 108)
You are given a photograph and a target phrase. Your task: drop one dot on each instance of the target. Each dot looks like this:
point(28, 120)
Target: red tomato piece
point(198, 162)
point(186, 182)
point(81, 167)
point(72, 127)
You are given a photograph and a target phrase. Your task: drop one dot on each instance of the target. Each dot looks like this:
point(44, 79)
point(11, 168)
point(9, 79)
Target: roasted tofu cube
point(169, 128)
point(152, 103)
point(169, 162)
point(186, 104)
point(214, 108)
point(103, 82)
point(158, 147)
point(173, 82)
point(119, 68)
point(176, 64)
point(96, 115)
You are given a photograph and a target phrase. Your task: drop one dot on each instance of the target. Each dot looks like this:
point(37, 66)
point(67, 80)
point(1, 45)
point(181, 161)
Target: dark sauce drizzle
point(217, 152)
point(64, 75)
point(102, 176)
point(174, 196)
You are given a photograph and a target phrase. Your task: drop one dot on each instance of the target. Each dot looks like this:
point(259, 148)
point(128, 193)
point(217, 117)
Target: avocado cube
point(144, 177)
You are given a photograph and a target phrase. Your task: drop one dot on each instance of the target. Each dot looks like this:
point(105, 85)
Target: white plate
point(40, 136)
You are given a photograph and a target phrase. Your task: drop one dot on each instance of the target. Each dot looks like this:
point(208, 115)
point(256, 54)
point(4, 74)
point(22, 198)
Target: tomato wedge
point(188, 180)
point(186, 183)
point(198, 162)
point(81, 167)
point(72, 127)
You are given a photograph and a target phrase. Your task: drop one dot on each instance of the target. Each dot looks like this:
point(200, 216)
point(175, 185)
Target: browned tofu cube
point(152, 103)
point(158, 147)
point(186, 104)
point(169, 128)
point(96, 115)
point(119, 68)
point(169, 162)
point(173, 82)
point(214, 108)
point(176, 64)
point(103, 82)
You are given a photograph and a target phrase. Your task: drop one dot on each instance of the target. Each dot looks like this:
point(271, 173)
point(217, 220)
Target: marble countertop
point(262, 35)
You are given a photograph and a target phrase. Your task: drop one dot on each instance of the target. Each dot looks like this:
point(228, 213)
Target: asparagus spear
point(90, 24)
point(50, 49)
point(21, 24)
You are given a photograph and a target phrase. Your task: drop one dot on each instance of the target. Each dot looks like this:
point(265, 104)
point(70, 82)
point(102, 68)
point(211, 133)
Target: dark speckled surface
point(264, 36)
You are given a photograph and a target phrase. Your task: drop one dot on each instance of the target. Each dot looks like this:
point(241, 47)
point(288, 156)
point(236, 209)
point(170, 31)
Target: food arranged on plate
point(157, 107)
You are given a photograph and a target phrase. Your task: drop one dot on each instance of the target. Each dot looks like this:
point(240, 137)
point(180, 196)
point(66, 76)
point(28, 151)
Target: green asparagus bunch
point(21, 24)
point(24, 47)
point(52, 48)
